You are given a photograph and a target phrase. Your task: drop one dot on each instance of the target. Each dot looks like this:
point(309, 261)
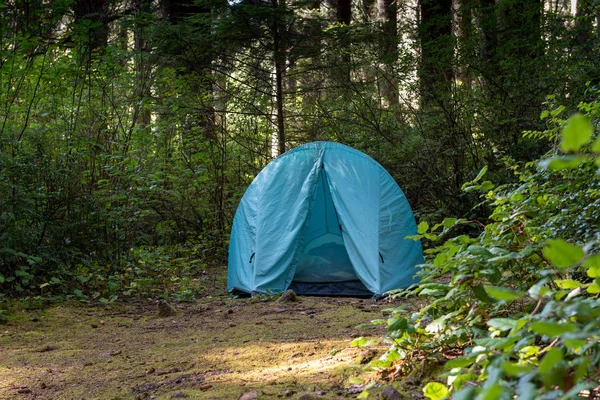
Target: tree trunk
point(487, 21)
point(388, 20)
point(175, 11)
point(96, 11)
point(343, 15)
point(279, 56)
point(511, 65)
point(142, 68)
point(343, 11)
point(435, 33)
point(463, 30)
point(584, 18)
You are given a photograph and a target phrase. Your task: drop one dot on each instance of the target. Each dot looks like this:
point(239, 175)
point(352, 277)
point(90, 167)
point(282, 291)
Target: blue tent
point(323, 219)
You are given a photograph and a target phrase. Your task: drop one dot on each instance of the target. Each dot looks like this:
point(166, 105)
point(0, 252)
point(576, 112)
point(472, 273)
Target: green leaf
point(481, 174)
point(392, 355)
point(573, 344)
point(562, 254)
point(360, 342)
point(459, 362)
point(502, 293)
point(449, 222)
point(435, 391)
point(440, 259)
point(552, 328)
point(479, 251)
point(568, 283)
point(502, 324)
point(423, 227)
point(550, 359)
point(529, 351)
point(576, 133)
point(79, 294)
point(414, 237)
point(499, 343)
point(468, 186)
point(520, 324)
point(596, 145)
point(539, 289)
point(481, 294)
point(559, 163)
point(21, 273)
point(355, 380)
point(594, 288)
point(593, 266)
point(515, 370)
point(492, 393)
point(398, 325)
point(6, 250)
point(34, 260)
point(581, 369)
point(467, 393)
point(557, 111)
point(433, 292)
point(486, 186)
point(363, 395)
point(526, 390)
point(435, 285)
point(380, 364)
point(460, 380)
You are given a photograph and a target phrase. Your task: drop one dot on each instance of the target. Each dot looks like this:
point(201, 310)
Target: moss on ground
point(216, 348)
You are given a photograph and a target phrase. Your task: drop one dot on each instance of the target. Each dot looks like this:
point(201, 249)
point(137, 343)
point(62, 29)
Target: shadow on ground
point(217, 348)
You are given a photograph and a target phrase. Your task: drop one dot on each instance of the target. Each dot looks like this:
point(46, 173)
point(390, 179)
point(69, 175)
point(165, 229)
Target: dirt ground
point(215, 348)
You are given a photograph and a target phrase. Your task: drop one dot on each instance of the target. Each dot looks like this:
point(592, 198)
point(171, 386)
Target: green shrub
point(515, 310)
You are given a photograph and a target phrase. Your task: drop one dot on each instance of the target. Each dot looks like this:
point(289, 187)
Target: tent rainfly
point(323, 219)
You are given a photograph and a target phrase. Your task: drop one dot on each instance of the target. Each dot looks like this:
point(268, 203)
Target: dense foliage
point(515, 311)
point(129, 129)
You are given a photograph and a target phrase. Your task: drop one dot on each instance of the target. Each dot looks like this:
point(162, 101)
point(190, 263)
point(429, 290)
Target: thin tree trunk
point(388, 19)
point(343, 15)
point(142, 69)
point(584, 25)
point(279, 51)
point(464, 32)
point(344, 11)
point(436, 73)
point(96, 11)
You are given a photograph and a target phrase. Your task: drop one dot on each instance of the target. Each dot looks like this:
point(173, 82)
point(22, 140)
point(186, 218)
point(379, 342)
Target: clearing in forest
point(214, 348)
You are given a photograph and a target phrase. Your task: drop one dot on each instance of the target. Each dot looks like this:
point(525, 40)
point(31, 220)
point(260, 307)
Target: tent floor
point(349, 288)
point(340, 289)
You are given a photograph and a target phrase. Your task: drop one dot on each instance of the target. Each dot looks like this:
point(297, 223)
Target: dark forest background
point(129, 129)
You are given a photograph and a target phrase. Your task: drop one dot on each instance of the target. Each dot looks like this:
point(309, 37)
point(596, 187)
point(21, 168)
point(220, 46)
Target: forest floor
point(214, 348)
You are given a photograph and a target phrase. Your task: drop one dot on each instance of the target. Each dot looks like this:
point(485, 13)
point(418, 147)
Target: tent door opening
point(324, 267)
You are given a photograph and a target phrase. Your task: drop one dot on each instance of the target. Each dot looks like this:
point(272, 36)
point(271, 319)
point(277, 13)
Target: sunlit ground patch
point(215, 349)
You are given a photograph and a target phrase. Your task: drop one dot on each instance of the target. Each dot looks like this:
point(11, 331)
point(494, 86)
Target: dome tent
point(323, 219)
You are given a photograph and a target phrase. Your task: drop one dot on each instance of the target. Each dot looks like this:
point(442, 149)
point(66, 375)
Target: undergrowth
point(514, 311)
point(177, 273)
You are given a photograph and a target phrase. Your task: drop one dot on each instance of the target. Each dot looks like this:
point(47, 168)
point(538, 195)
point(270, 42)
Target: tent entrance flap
point(324, 266)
